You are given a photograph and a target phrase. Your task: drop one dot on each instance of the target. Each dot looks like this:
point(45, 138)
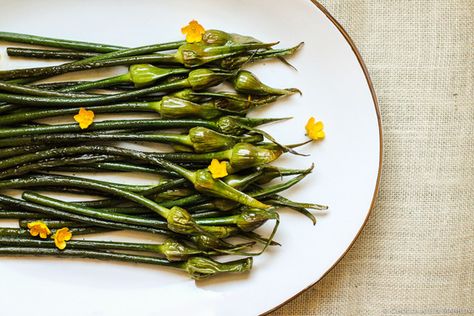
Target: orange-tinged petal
point(38, 228)
point(85, 118)
point(61, 245)
point(218, 169)
point(61, 236)
point(34, 231)
point(193, 31)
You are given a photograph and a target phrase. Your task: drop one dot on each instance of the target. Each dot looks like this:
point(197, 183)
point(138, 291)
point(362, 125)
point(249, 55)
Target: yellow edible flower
point(193, 31)
point(38, 228)
point(84, 118)
point(314, 130)
point(218, 169)
point(61, 236)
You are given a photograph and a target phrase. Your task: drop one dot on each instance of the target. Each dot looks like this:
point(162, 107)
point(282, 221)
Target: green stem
point(8, 214)
point(106, 125)
point(259, 193)
point(5, 107)
point(99, 84)
point(189, 200)
point(47, 54)
point(196, 267)
point(78, 244)
point(173, 250)
point(45, 180)
point(90, 212)
point(112, 55)
point(149, 124)
point(88, 254)
point(16, 151)
point(268, 191)
point(32, 91)
point(103, 203)
point(116, 217)
point(125, 210)
point(85, 64)
point(300, 210)
point(238, 182)
point(47, 164)
point(145, 191)
point(58, 43)
point(52, 223)
point(48, 211)
point(72, 138)
point(148, 76)
point(15, 232)
point(239, 61)
point(280, 200)
point(228, 220)
point(201, 179)
point(66, 101)
point(128, 167)
point(22, 117)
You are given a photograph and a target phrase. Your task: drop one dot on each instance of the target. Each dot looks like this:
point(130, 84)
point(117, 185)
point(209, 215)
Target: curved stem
point(265, 192)
point(49, 211)
point(90, 212)
point(99, 84)
point(45, 180)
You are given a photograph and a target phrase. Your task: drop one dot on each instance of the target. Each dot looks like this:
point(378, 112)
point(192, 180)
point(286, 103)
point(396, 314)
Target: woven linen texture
point(416, 254)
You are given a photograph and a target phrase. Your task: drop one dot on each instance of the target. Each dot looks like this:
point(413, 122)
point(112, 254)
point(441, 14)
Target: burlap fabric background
point(416, 255)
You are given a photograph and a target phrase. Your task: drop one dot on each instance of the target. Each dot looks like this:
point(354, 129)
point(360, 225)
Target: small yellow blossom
point(61, 236)
point(39, 228)
point(193, 32)
point(84, 118)
point(314, 130)
point(218, 169)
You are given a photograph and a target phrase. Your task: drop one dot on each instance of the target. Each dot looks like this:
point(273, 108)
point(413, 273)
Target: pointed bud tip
point(293, 91)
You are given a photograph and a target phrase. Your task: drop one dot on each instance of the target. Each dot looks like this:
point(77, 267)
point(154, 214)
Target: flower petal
point(218, 169)
point(61, 236)
point(193, 31)
point(38, 228)
point(85, 118)
point(314, 130)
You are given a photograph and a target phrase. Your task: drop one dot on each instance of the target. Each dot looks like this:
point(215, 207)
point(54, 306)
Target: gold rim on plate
point(377, 110)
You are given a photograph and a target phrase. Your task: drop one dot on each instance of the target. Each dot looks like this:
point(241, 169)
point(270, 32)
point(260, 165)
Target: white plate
point(335, 90)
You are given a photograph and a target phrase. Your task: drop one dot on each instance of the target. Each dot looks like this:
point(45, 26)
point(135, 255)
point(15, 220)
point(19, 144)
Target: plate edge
point(379, 121)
